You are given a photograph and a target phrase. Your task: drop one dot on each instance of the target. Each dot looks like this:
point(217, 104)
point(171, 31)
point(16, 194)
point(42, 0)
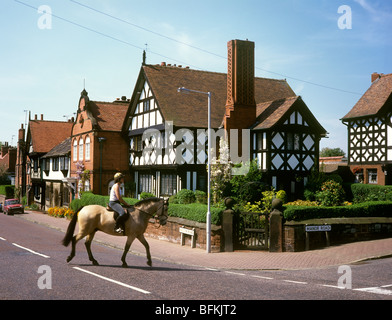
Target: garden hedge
point(7, 190)
point(369, 192)
point(366, 209)
point(194, 211)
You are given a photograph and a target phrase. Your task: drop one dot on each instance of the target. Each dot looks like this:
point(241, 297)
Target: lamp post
point(208, 227)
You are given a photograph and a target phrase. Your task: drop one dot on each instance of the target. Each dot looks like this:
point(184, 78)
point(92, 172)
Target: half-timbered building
point(284, 133)
point(369, 130)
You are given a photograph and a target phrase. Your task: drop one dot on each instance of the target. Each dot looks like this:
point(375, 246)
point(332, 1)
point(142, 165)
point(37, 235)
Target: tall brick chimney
point(240, 105)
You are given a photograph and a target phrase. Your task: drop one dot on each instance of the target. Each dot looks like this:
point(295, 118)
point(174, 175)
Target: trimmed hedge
point(370, 192)
point(366, 209)
point(194, 211)
point(7, 190)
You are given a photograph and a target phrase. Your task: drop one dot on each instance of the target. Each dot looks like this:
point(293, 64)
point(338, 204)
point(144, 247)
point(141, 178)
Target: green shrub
point(195, 212)
point(7, 190)
point(331, 194)
point(145, 195)
point(369, 192)
point(201, 196)
point(186, 196)
point(89, 198)
point(76, 204)
point(366, 209)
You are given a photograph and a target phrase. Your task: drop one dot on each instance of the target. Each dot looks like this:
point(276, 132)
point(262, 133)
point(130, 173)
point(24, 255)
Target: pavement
point(242, 259)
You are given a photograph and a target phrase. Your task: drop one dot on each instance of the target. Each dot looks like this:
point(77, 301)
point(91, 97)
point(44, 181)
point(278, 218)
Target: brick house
point(98, 147)
point(37, 144)
point(284, 133)
point(369, 131)
point(8, 160)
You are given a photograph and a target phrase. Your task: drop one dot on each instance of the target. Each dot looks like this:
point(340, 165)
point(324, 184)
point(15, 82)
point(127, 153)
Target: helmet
point(118, 176)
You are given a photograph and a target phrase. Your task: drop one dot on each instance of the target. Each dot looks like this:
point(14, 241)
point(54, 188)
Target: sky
point(326, 52)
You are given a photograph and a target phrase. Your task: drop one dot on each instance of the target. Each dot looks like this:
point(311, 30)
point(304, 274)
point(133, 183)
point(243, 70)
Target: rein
point(153, 215)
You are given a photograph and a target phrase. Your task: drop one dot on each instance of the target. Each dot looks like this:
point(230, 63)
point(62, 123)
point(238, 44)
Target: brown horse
point(95, 218)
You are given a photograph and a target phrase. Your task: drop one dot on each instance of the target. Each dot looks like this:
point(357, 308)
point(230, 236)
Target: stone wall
point(170, 232)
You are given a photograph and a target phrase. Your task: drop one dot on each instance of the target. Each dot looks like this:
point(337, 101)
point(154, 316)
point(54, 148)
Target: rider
point(116, 200)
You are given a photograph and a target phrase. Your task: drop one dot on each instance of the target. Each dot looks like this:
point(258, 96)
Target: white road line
point(261, 277)
point(237, 273)
point(388, 285)
point(378, 290)
point(211, 269)
point(297, 282)
point(29, 250)
point(331, 286)
point(2, 239)
point(114, 281)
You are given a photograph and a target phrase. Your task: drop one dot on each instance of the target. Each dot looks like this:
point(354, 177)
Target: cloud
point(376, 14)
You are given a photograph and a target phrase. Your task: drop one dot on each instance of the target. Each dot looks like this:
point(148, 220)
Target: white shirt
point(113, 196)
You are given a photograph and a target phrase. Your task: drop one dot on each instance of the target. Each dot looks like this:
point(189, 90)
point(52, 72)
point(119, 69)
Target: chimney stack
point(240, 104)
point(375, 76)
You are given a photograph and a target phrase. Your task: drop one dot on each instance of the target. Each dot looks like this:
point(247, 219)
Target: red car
point(12, 206)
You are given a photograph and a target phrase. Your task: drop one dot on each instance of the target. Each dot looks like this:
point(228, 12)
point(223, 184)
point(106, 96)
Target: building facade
point(98, 147)
point(167, 129)
point(369, 131)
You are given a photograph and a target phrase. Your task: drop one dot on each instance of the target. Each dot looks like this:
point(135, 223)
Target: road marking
point(29, 250)
point(211, 269)
point(114, 281)
point(331, 286)
point(378, 290)
point(237, 273)
point(388, 285)
point(2, 239)
point(297, 282)
point(261, 277)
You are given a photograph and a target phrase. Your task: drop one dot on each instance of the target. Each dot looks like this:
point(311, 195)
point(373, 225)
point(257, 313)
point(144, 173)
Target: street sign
point(326, 227)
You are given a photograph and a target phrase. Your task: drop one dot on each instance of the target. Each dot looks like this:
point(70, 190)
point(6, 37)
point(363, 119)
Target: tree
point(332, 152)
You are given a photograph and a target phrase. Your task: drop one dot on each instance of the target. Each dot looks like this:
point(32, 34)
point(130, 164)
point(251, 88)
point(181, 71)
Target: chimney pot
point(124, 98)
point(375, 76)
point(35, 117)
point(163, 64)
point(42, 117)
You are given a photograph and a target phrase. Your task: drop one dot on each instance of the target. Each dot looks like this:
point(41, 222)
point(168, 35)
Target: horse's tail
point(71, 228)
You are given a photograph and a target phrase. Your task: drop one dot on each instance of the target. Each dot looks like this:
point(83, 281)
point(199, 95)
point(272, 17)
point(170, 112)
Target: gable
point(286, 112)
point(190, 110)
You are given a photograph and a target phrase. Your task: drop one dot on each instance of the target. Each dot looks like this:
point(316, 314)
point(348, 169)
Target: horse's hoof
point(149, 263)
point(69, 259)
point(124, 265)
point(95, 263)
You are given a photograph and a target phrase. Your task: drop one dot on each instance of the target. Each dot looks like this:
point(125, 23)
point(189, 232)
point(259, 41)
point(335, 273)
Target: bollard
point(276, 227)
point(227, 225)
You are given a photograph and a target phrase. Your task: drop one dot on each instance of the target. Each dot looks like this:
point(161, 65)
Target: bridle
point(155, 215)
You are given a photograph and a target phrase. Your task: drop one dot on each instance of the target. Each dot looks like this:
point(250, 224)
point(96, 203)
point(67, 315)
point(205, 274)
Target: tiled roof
point(63, 148)
point(271, 112)
point(374, 98)
point(45, 135)
point(190, 110)
point(109, 115)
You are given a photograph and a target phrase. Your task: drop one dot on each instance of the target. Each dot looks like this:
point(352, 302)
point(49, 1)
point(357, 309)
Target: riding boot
point(119, 226)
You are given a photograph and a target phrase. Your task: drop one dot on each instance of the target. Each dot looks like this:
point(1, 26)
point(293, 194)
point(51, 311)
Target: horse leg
point(75, 239)
point(126, 249)
point(89, 239)
point(146, 245)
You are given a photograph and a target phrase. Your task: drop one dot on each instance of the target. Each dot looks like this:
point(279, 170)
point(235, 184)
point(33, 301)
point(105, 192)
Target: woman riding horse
point(116, 200)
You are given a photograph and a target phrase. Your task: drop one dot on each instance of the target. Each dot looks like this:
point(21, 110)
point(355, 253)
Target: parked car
point(12, 206)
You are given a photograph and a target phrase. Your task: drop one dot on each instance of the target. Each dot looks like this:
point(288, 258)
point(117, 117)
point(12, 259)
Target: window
point(145, 183)
point(136, 143)
point(55, 164)
point(64, 163)
point(81, 149)
point(293, 141)
point(88, 148)
point(372, 176)
point(168, 184)
point(46, 164)
point(75, 151)
point(146, 106)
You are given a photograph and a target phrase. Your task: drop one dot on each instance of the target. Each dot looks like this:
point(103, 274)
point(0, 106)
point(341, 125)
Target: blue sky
point(43, 70)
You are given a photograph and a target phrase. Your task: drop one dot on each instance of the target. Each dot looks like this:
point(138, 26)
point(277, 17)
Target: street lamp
point(208, 228)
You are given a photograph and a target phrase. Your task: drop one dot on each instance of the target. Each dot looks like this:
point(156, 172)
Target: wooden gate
point(251, 231)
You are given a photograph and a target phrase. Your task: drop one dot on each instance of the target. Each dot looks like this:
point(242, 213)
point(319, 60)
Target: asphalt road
point(33, 267)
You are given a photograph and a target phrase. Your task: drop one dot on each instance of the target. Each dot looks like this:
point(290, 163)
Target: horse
point(93, 218)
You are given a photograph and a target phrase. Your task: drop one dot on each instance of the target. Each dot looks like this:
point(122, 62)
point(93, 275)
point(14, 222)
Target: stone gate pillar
point(276, 226)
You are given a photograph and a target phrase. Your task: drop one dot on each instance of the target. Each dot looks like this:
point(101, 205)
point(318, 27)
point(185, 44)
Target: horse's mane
point(147, 200)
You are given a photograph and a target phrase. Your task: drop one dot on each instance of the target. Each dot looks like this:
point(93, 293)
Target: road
point(33, 267)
